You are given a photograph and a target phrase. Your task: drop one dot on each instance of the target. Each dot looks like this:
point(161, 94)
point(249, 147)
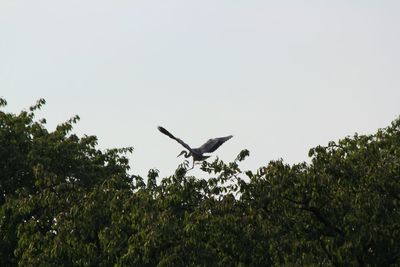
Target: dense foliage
point(63, 202)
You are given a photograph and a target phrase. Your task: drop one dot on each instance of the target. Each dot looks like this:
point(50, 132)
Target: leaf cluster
point(63, 202)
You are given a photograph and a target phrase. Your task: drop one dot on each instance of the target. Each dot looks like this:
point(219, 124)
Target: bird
point(197, 153)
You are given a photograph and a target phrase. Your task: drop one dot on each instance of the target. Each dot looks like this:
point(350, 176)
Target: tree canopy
point(64, 202)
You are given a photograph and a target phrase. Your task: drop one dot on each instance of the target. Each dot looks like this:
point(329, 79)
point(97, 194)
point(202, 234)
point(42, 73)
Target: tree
point(44, 176)
point(65, 202)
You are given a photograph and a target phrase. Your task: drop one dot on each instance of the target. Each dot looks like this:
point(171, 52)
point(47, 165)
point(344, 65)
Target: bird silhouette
point(197, 153)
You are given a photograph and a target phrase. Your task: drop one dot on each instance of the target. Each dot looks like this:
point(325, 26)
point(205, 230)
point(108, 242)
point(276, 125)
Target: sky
point(281, 76)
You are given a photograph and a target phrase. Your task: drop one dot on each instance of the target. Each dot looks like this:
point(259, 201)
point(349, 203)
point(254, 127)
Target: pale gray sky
point(281, 76)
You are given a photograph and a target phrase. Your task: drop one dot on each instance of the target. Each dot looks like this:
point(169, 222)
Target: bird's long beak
point(180, 154)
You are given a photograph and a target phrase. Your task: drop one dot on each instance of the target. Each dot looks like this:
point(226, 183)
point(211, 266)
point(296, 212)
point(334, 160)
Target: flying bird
point(197, 153)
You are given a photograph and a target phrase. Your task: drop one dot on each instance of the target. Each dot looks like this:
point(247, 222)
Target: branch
point(323, 220)
point(317, 213)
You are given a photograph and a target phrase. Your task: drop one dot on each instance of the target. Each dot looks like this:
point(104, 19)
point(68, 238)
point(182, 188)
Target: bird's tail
point(164, 131)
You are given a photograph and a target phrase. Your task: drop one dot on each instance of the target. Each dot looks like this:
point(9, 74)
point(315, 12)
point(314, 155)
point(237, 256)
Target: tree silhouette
point(63, 202)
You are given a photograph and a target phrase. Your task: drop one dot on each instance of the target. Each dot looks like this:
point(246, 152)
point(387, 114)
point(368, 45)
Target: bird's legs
point(192, 165)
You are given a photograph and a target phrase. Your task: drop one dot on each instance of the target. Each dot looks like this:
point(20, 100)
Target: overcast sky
point(281, 76)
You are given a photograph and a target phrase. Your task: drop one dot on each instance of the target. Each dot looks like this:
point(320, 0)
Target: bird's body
point(197, 153)
point(196, 156)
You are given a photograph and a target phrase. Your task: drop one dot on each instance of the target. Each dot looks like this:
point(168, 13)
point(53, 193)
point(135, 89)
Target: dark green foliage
point(63, 202)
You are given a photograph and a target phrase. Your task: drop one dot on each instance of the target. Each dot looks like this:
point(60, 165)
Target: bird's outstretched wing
point(164, 131)
point(212, 144)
